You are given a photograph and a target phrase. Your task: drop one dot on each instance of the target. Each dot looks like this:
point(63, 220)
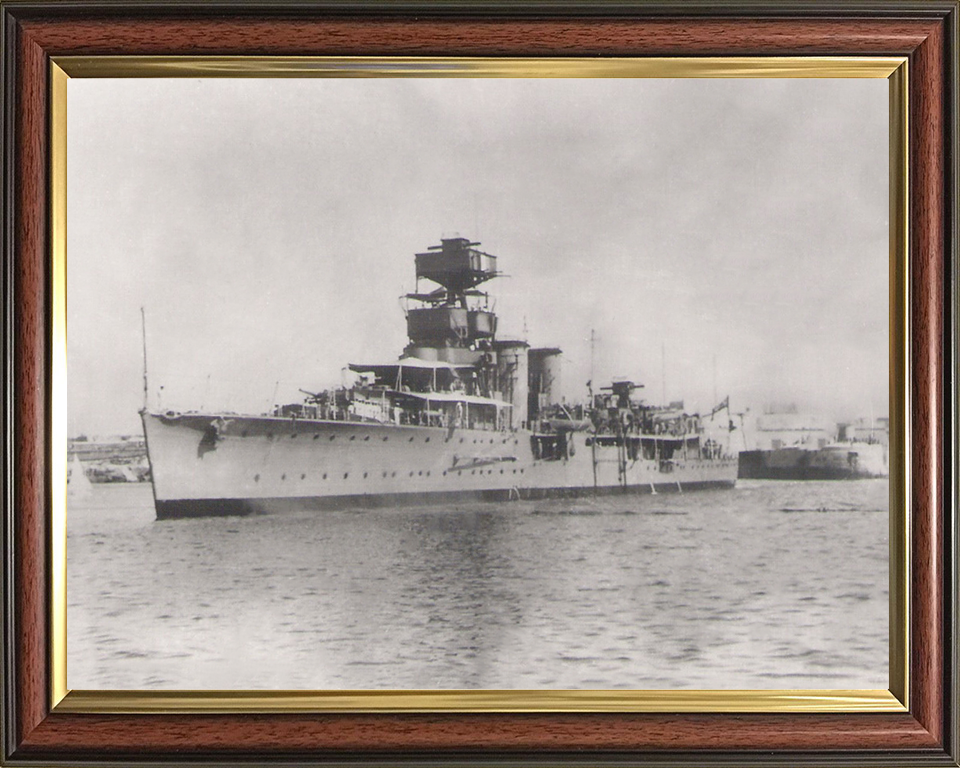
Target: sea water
point(771, 585)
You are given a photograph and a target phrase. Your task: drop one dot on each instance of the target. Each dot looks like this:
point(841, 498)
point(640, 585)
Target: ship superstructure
point(462, 414)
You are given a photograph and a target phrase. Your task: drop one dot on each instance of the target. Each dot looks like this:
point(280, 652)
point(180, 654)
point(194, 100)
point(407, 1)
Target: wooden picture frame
point(38, 731)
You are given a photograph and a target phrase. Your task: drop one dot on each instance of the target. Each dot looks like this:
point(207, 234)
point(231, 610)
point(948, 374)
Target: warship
point(461, 415)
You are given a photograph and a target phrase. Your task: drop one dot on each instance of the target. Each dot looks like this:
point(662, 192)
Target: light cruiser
point(461, 415)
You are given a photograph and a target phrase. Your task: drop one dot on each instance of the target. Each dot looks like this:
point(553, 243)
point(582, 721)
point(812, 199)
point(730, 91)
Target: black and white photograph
point(419, 383)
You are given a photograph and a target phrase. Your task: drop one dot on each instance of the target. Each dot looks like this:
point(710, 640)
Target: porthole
point(385, 439)
point(303, 475)
point(444, 473)
point(332, 436)
point(324, 475)
point(283, 476)
point(410, 440)
point(293, 436)
point(411, 473)
point(420, 473)
point(427, 440)
point(353, 437)
point(364, 475)
point(269, 435)
point(244, 433)
point(256, 478)
point(384, 474)
point(393, 474)
point(316, 436)
point(366, 437)
point(428, 473)
point(346, 475)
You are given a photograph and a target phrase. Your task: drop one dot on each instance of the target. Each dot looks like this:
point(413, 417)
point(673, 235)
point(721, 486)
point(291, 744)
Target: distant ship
point(460, 415)
point(839, 461)
point(821, 452)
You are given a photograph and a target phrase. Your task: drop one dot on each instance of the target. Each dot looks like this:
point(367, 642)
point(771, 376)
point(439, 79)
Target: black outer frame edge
point(496, 8)
point(8, 31)
point(492, 759)
point(12, 10)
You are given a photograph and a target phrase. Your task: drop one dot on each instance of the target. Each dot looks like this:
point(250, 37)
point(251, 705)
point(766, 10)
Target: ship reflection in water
point(769, 585)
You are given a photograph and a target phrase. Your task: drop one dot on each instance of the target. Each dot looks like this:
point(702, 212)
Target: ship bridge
point(412, 373)
point(431, 393)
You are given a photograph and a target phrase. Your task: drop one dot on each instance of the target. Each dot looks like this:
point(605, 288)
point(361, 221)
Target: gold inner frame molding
point(893, 69)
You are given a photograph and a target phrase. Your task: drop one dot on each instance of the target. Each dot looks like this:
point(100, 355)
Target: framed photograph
point(653, 462)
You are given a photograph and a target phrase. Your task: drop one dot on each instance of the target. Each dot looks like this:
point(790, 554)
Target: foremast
point(452, 323)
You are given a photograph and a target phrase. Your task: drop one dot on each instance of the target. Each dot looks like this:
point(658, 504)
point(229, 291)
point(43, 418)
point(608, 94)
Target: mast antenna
point(663, 373)
point(593, 349)
point(143, 328)
point(714, 378)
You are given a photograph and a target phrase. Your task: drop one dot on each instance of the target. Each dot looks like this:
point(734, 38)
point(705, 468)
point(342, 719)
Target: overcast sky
point(268, 228)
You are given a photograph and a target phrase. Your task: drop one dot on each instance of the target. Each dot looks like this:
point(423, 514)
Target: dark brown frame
point(926, 32)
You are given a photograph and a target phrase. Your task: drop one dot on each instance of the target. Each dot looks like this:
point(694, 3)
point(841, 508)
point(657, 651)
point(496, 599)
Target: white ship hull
point(221, 464)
